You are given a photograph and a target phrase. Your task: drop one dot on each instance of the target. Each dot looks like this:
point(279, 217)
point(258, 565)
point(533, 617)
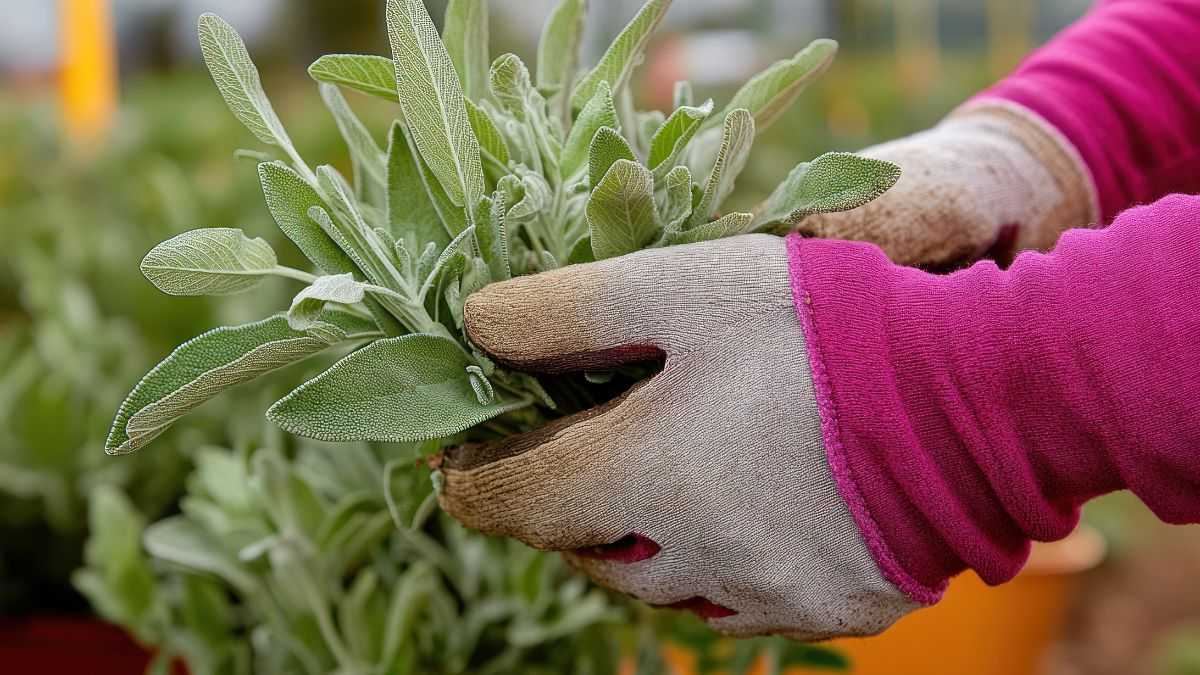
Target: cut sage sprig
point(490, 170)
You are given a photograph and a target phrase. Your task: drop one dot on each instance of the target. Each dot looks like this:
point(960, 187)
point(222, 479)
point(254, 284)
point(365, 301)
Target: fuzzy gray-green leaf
point(465, 33)
point(411, 211)
point(491, 141)
point(770, 93)
point(364, 151)
point(238, 80)
point(558, 49)
point(181, 541)
point(432, 100)
point(607, 148)
point(599, 112)
point(677, 200)
point(411, 388)
point(621, 211)
point(211, 363)
point(837, 181)
point(289, 198)
point(374, 75)
point(669, 142)
point(623, 55)
point(309, 303)
point(210, 261)
point(736, 141)
point(729, 225)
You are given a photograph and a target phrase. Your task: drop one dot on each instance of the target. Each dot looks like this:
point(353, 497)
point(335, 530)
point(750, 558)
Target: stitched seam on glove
point(891, 568)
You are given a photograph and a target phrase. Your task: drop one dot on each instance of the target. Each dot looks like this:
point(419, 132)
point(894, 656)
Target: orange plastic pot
point(976, 629)
point(980, 629)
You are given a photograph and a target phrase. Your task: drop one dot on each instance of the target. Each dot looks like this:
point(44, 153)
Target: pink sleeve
point(1123, 84)
point(965, 415)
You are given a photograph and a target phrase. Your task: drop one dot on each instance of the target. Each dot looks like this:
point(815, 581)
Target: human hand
point(991, 180)
point(705, 487)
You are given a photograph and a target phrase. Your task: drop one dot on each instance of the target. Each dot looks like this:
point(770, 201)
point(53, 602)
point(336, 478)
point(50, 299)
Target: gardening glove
point(992, 179)
point(705, 487)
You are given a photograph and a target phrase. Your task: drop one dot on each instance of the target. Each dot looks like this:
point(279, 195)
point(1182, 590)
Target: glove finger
point(559, 488)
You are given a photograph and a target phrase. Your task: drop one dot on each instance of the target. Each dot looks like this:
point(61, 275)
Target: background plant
point(491, 171)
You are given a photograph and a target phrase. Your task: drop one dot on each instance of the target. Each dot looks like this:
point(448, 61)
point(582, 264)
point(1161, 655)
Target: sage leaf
point(677, 207)
point(621, 211)
point(729, 225)
point(492, 234)
point(465, 34)
point(558, 49)
point(213, 362)
point(770, 93)
point(599, 112)
point(407, 389)
point(374, 75)
point(210, 261)
point(836, 181)
point(607, 148)
point(182, 542)
point(511, 85)
point(289, 199)
point(669, 142)
point(432, 100)
point(454, 217)
point(411, 213)
point(623, 55)
point(736, 141)
point(238, 80)
point(491, 141)
point(308, 304)
point(364, 151)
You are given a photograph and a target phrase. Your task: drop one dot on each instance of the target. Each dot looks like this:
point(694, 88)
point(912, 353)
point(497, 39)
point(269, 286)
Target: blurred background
point(113, 138)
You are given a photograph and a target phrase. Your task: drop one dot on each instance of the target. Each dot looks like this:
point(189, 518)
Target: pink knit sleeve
point(968, 414)
point(1123, 84)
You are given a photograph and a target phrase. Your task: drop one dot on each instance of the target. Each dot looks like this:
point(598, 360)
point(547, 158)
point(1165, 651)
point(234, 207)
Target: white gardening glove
point(704, 488)
point(993, 178)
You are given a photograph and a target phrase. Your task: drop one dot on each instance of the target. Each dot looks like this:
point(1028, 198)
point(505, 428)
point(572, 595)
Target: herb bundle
point(490, 171)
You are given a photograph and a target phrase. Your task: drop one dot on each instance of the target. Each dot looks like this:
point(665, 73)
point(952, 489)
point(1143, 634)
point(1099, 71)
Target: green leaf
point(607, 148)
point(465, 34)
point(558, 49)
point(599, 112)
point(837, 181)
point(623, 55)
point(432, 100)
point(411, 212)
point(364, 151)
point(211, 261)
point(491, 141)
point(672, 137)
point(621, 211)
point(412, 388)
point(736, 141)
point(678, 201)
point(492, 234)
point(452, 216)
point(374, 75)
point(730, 225)
point(289, 199)
point(770, 93)
point(582, 252)
point(213, 362)
point(513, 89)
point(238, 80)
point(308, 304)
point(182, 542)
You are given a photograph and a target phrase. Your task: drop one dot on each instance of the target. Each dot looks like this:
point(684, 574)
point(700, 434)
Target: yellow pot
point(982, 630)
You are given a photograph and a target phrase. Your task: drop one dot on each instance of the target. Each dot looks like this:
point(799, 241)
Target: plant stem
point(292, 273)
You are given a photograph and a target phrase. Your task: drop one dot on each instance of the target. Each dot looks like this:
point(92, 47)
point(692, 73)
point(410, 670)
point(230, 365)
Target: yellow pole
point(1010, 34)
point(88, 80)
